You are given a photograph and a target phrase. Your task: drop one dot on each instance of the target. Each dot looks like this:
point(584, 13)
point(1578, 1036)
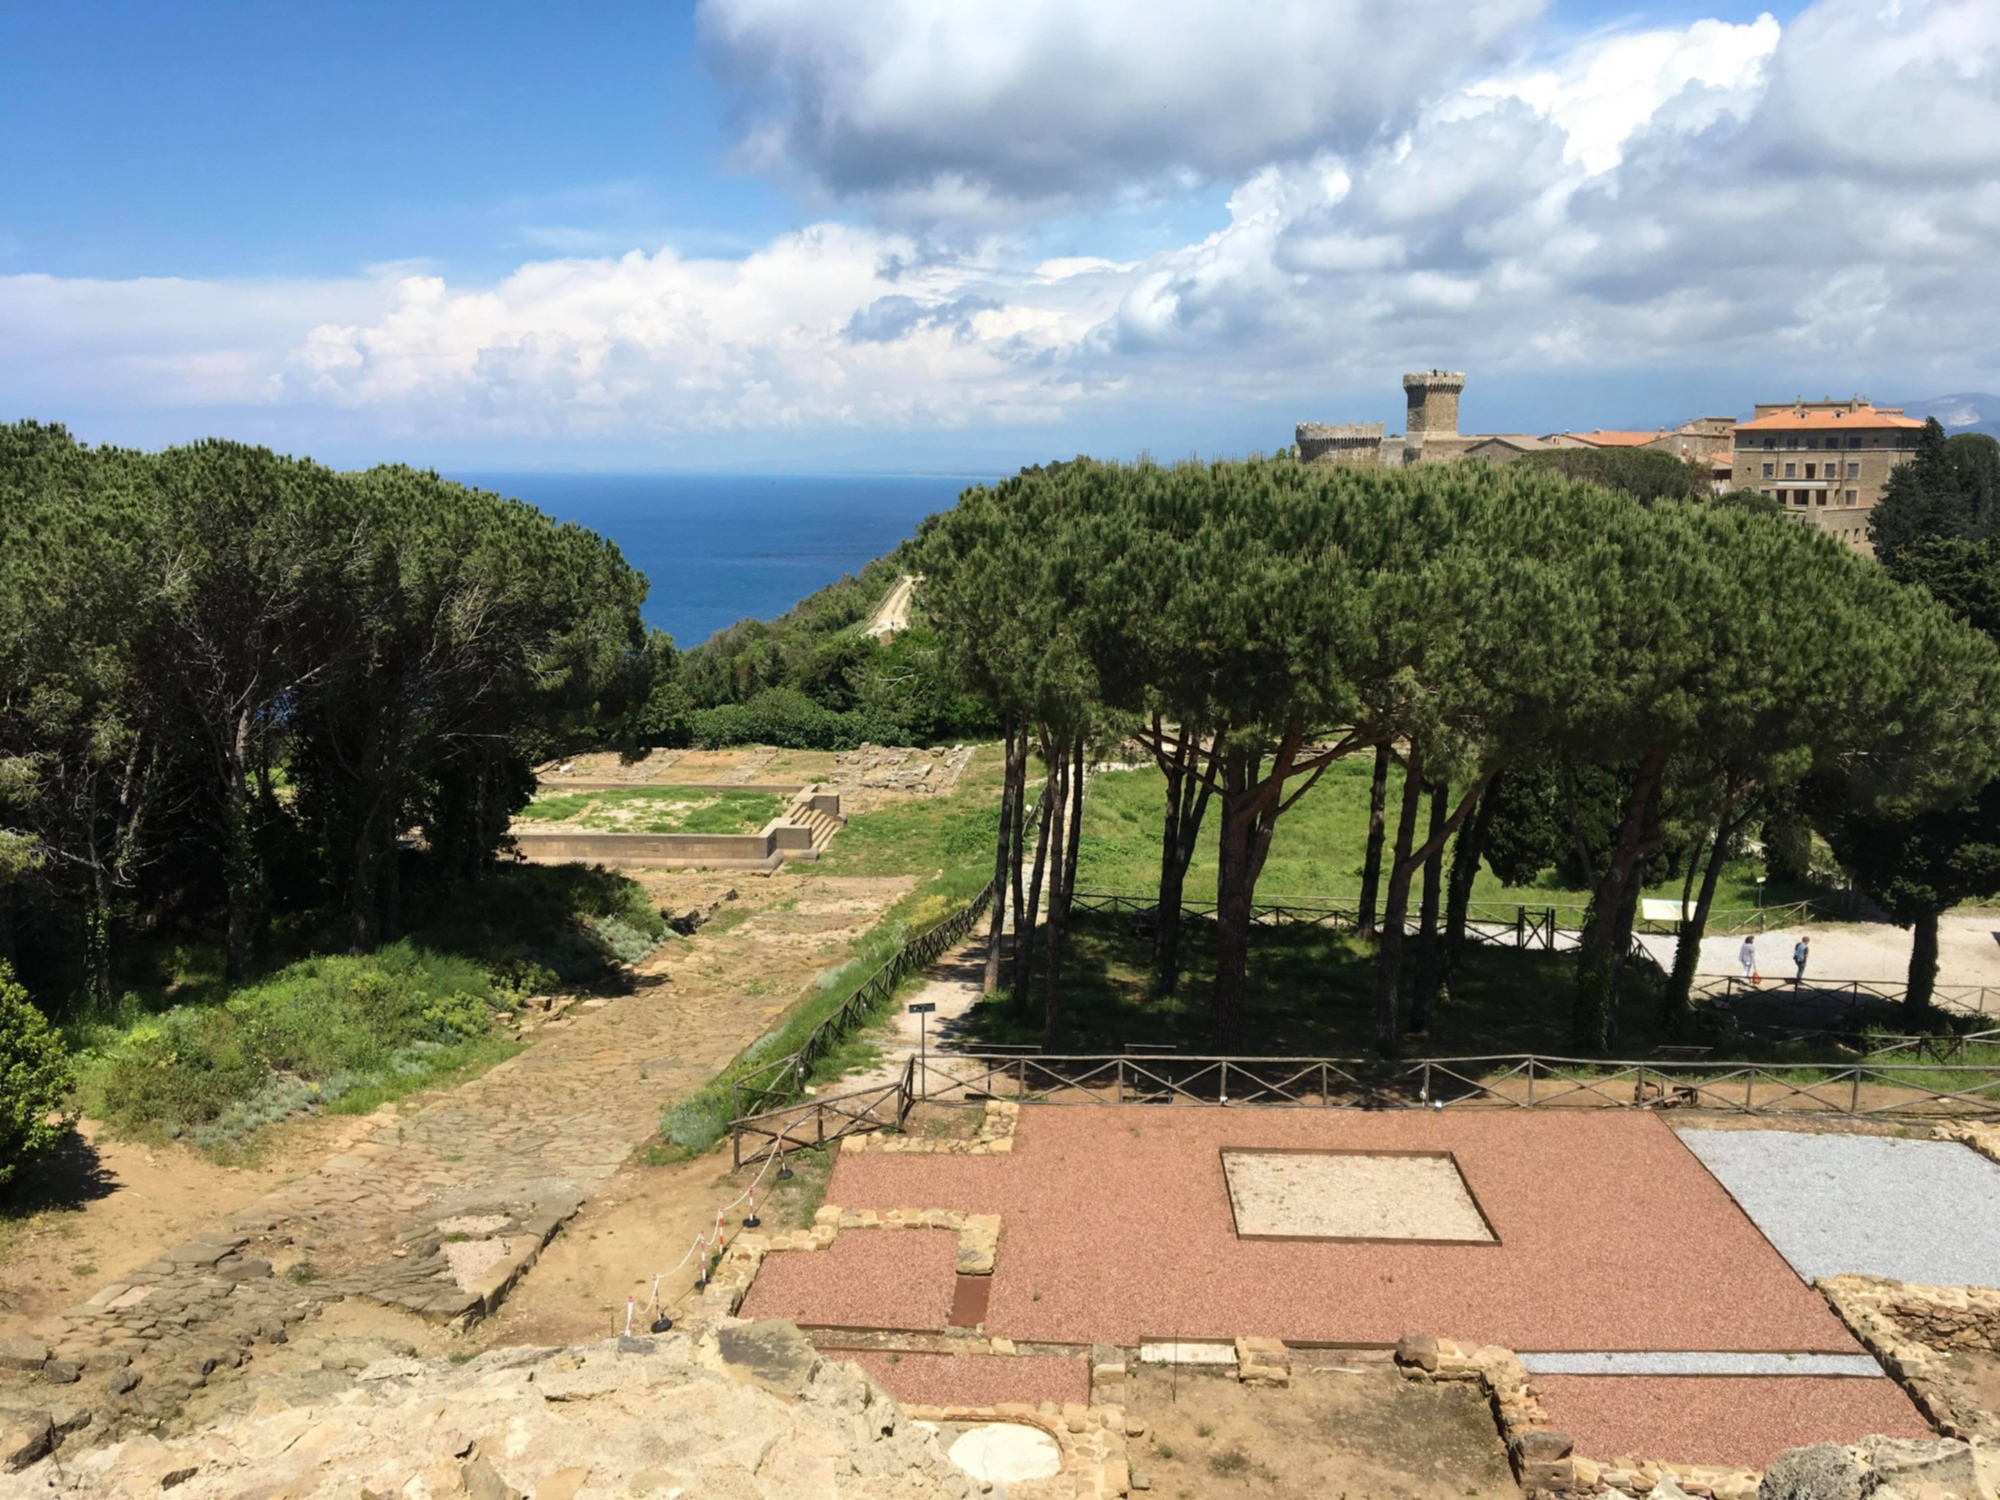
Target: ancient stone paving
point(440, 1210)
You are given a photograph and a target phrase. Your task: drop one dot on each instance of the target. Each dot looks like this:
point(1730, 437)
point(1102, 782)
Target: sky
point(955, 235)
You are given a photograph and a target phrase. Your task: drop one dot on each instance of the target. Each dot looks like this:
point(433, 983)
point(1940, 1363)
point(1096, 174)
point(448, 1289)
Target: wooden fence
point(819, 1122)
point(1870, 1088)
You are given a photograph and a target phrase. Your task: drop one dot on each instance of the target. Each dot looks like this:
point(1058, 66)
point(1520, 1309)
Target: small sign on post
point(921, 1010)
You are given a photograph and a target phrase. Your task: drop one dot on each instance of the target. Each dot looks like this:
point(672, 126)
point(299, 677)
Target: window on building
point(1798, 497)
point(1812, 442)
point(1792, 442)
point(1852, 497)
point(1765, 493)
point(1820, 498)
point(1770, 442)
point(1809, 470)
point(1767, 470)
point(1791, 471)
point(1854, 440)
point(1854, 471)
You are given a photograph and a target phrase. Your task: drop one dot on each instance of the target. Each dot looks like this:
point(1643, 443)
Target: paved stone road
point(439, 1210)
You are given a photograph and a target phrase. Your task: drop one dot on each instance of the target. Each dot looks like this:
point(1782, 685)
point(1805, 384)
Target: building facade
point(1826, 462)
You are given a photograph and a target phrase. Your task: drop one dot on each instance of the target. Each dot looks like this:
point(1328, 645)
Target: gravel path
point(1116, 1227)
point(1745, 1420)
point(1923, 1211)
point(975, 1379)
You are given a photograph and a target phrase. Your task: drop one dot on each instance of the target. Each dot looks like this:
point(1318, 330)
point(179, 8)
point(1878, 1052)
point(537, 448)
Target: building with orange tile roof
point(1827, 462)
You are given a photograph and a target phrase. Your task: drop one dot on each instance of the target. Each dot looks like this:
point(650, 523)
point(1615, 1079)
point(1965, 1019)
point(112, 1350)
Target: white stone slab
point(1697, 1363)
point(1006, 1453)
point(1187, 1354)
point(1340, 1195)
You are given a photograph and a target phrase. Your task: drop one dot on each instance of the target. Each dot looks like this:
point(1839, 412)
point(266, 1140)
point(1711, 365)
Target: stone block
point(1909, 1463)
point(1554, 1474)
point(23, 1354)
point(1820, 1472)
point(68, 1419)
point(771, 1353)
point(105, 1361)
point(1542, 1445)
point(246, 1268)
point(1263, 1362)
point(1417, 1350)
point(124, 1382)
point(25, 1437)
point(62, 1372)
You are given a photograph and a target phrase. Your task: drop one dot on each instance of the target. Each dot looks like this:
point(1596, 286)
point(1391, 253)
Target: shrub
point(35, 1081)
point(787, 718)
point(300, 1039)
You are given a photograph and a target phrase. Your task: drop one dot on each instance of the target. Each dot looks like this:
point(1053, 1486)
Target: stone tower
point(1433, 397)
point(1339, 443)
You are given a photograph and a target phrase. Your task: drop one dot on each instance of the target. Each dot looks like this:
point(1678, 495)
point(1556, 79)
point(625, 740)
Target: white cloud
point(958, 108)
point(1681, 199)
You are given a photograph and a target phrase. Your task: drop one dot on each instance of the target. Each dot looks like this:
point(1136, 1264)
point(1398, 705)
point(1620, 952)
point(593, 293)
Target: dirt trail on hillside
point(213, 1260)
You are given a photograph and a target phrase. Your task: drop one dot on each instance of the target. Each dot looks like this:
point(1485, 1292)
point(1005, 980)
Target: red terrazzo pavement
point(867, 1278)
point(1116, 1226)
point(1747, 1420)
point(974, 1379)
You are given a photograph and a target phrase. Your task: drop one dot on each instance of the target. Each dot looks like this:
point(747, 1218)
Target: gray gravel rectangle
point(1701, 1364)
point(1922, 1211)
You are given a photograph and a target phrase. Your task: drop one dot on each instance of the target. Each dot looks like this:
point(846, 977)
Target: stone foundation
point(1913, 1330)
point(1544, 1458)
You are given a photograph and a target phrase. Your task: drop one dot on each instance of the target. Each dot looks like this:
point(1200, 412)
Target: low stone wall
point(729, 1281)
point(1544, 1457)
point(995, 1138)
point(1913, 1330)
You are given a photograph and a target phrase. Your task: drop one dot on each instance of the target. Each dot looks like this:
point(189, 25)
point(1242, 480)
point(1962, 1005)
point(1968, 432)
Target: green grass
point(1318, 849)
point(658, 809)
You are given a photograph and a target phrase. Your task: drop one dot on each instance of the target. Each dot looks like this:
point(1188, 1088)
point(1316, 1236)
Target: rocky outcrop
point(1878, 1468)
point(746, 1410)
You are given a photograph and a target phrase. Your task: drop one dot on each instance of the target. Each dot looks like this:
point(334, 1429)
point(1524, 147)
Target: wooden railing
point(1974, 999)
point(815, 1123)
point(1875, 1088)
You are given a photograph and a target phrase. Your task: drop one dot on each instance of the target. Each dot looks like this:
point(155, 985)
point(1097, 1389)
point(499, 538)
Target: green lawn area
point(1318, 849)
point(658, 809)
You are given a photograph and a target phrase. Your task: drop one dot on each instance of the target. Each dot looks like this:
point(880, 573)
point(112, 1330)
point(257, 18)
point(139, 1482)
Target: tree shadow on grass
point(1311, 994)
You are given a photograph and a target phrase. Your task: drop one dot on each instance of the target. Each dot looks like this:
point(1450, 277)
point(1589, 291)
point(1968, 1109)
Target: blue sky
point(336, 227)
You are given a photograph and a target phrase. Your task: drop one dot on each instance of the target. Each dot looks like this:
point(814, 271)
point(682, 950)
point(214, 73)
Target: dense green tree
point(1946, 489)
point(1646, 474)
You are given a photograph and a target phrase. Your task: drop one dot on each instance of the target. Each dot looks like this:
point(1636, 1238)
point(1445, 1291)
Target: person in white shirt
point(1748, 956)
point(1799, 954)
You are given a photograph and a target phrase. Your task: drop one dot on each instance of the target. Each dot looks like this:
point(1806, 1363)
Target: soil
point(104, 1206)
point(1331, 1435)
point(1972, 1385)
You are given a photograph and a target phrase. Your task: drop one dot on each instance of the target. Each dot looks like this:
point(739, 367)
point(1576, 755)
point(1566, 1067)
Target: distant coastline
point(718, 548)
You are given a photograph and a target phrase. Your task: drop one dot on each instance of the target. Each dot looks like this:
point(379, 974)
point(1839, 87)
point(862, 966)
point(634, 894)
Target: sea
point(718, 548)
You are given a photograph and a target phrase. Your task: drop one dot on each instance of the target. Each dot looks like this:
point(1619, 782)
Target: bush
point(35, 1080)
point(537, 926)
point(788, 718)
point(302, 1038)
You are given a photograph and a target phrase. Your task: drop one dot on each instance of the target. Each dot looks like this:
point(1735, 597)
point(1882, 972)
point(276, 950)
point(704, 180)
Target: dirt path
point(1872, 952)
point(954, 988)
point(436, 1207)
point(893, 613)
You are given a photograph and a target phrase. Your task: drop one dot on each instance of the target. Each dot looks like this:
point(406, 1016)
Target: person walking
point(1799, 953)
point(1747, 955)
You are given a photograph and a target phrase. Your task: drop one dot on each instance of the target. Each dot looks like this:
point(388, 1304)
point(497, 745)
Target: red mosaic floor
point(900, 1279)
point(1116, 1226)
point(1746, 1420)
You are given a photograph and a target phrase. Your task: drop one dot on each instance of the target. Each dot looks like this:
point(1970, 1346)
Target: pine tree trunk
point(1235, 882)
point(1595, 969)
point(997, 919)
point(1052, 925)
point(240, 872)
point(1687, 947)
point(1016, 845)
point(1079, 775)
point(1427, 919)
point(1466, 850)
point(1389, 954)
point(1923, 972)
point(1024, 920)
point(1371, 869)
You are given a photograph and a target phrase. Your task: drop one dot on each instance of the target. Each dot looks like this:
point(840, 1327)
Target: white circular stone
point(1004, 1452)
